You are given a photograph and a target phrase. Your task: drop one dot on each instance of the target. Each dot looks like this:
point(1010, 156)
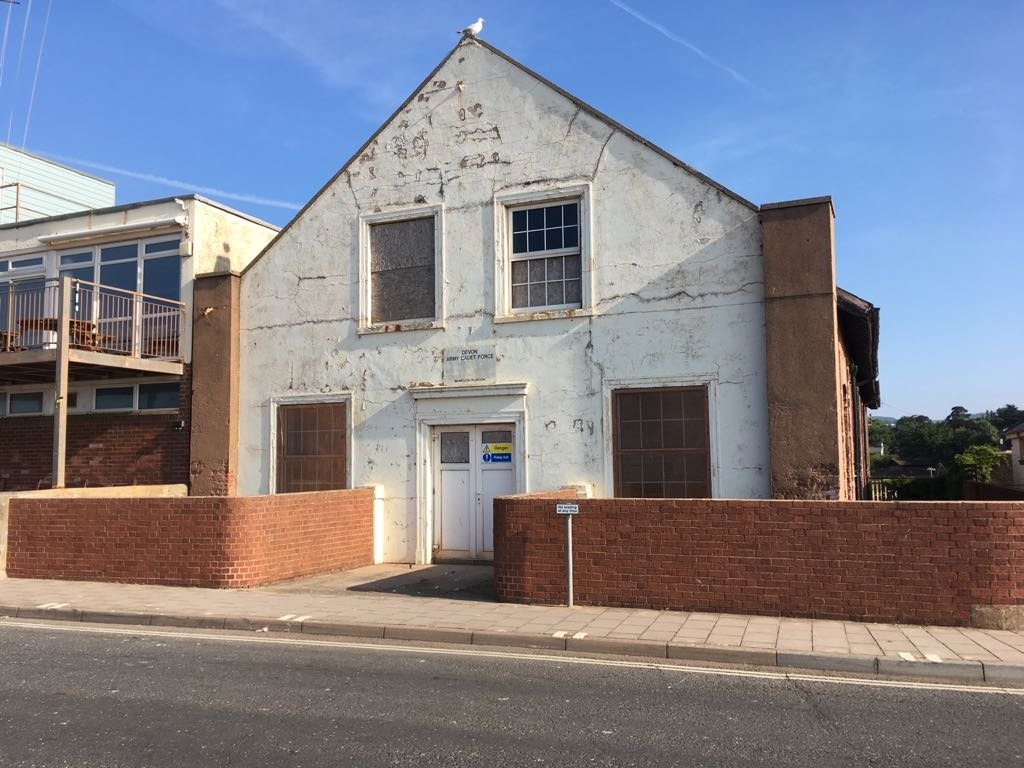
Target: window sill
point(552, 314)
point(408, 325)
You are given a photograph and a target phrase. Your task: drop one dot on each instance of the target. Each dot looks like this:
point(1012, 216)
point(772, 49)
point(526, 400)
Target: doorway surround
point(478, 404)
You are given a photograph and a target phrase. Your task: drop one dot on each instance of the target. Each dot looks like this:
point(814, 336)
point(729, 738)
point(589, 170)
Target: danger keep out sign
point(497, 453)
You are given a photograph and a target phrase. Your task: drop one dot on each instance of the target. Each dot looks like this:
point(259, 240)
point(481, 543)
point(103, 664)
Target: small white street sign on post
point(568, 511)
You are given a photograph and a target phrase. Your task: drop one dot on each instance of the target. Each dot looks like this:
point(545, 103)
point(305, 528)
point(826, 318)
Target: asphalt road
point(114, 697)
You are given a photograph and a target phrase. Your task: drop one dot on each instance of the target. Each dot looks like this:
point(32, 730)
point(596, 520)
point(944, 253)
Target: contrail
point(683, 42)
point(175, 183)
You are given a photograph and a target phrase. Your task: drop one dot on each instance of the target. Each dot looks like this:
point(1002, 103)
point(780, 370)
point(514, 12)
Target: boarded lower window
point(661, 443)
point(402, 270)
point(312, 445)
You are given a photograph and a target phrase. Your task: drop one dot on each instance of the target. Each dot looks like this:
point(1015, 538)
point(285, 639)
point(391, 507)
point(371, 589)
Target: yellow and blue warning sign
point(497, 453)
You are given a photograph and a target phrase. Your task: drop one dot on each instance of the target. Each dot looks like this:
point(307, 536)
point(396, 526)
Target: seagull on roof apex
point(473, 29)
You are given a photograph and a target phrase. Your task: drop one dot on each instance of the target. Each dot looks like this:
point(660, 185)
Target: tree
point(977, 463)
point(880, 433)
point(958, 415)
point(1007, 416)
point(918, 438)
point(971, 432)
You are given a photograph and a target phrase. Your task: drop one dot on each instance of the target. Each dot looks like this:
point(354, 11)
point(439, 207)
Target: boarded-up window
point(402, 270)
point(311, 447)
point(661, 443)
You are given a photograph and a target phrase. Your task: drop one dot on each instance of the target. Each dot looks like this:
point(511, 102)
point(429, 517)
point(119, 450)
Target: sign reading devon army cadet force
point(469, 365)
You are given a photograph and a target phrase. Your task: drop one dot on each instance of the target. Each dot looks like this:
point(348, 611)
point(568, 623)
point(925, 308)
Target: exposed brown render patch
point(476, 111)
point(478, 134)
point(370, 154)
point(480, 160)
point(419, 144)
point(438, 85)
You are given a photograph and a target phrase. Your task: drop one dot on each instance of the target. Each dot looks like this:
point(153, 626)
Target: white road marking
point(303, 618)
point(933, 658)
point(907, 656)
point(579, 635)
point(559, 634)
point(576, 660)
point(53, 605)
point(286, 617)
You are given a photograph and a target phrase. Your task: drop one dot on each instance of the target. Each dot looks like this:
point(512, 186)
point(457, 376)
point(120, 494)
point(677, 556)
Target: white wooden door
point(472, 465)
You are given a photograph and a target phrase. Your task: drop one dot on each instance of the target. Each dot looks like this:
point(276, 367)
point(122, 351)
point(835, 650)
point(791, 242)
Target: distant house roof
point(65, 166)
point(129, 207)
point(858, 323)
point(1015, 430)
point(909, 468)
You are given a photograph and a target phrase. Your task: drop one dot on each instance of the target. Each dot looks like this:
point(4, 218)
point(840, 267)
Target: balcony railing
point(102, 319)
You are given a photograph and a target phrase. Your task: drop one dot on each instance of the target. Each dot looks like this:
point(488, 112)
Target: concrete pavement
point(453, 604)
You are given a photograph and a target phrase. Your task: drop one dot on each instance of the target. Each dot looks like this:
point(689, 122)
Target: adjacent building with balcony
point(32, 187)
point(116, 330)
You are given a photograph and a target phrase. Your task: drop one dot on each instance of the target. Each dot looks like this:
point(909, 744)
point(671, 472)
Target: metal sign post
point(569, 510)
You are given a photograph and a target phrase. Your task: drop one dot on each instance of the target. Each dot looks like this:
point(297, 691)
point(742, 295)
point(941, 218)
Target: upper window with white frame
point(546, 260)
point(401, 269)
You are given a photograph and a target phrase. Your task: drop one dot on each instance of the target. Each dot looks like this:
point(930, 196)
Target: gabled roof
point(584, 106)
point(858, 322)
point(1015, 430)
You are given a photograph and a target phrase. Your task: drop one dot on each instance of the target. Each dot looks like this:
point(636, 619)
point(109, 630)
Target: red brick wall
point(195, 540)
point(922, 562)
point(102, 449)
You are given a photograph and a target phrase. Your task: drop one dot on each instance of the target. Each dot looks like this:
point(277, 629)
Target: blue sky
point(911, 115)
